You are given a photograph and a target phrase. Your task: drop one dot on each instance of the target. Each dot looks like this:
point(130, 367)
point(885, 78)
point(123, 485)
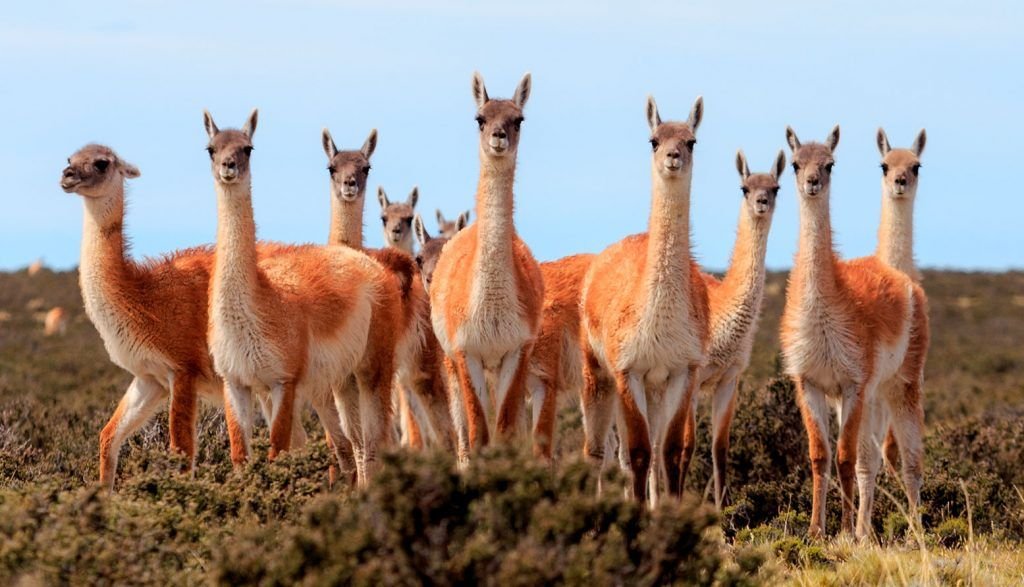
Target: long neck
point(815, 257)
point(495, 227)
point(896, 233)
point(668, 247)
point(346, 222)
point(745, 277)
point(235, 272)
point(103, 262)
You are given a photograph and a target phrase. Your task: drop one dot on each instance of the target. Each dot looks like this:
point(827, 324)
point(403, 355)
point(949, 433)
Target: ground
point(508, 519)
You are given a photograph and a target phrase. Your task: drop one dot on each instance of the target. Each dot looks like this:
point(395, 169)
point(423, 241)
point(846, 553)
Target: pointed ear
point(329, 147)
point(833, 139)
point(211, 126)
point(696, 113)
point(780, 164)
point(440, 217)
point(128, 170)
point(918, 146)
point(522, 91)
point(382, 197)
point(414, 197)
point(883, 142)
point(653, 118)
point(791, 139)
point(250, 125)
point(369, 145)
point(419, 230)
point(741, 165)
point(462, 221)
point(479, 90)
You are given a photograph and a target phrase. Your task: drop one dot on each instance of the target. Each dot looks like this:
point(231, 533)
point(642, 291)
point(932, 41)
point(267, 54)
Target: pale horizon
point(137, 75)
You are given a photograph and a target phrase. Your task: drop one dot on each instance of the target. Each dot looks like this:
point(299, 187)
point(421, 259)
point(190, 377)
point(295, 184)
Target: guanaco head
point(93, 169)
point(673, 142)
point(397, 219)
point(230, 149)
point(760, 189)
point(448, 228)
point(431, 246)
point(349, 169)
point(812, 163)
point(900, 166)
point(499, 120)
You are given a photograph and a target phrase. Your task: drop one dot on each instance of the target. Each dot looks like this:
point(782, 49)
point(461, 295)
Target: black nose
point(499, 133)
point(229, 164)
point(762, 201)
point(350, 182)
point(901, 181)
point(674, 154)
point(68, 172)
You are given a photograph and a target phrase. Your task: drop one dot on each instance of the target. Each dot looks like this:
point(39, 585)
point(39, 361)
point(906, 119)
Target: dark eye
point(383, 221)
point(407, 222)
point(775, 192)
point(331, 169)
point(210, 151)
point(796, 167)
point(915, 168)
point(745, 190)
point(247, 150)
point(419, 261)
point(480, 121)
point(518, 122)
point(885, 169)
point(828, 167)
point(690, 143)
point(366, 170)
point(101, 165)
point(654, 144)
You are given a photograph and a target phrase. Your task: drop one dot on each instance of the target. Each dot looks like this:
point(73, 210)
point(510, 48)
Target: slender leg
point(598, 406)
point(282, 397)
point(874, 423)
point(457, 409)
point(512, 395)
point(545, 404)
point(814, 410)
point(434, 398)
point(346, 400)
point(470, 372)
point(181, 420)
point(327, 412)
point(375, 413)
point(908, 426)
point(723, 406)
point(138, 404)
point(412, 436)
point(681, 435)
point(239, 414)
point(846, 450)
point(633, 403)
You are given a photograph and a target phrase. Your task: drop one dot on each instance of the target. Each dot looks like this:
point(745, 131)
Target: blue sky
point(136, 76)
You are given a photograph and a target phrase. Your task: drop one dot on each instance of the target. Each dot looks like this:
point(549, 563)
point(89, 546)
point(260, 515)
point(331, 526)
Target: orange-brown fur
point(900, 169)
point(854, 333)
point(419, 367)
point(735, 304)
point(487, 291)
point(297, 325)
point(556, 366)
point(645, 320)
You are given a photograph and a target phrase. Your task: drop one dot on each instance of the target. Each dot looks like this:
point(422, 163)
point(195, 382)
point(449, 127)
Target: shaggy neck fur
point(667, 269)
point(745, 278)
point(495, 229)
point(896, 233)
point(346, 222)
point(235, 273)
point(103, 264)
point(815, 257)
